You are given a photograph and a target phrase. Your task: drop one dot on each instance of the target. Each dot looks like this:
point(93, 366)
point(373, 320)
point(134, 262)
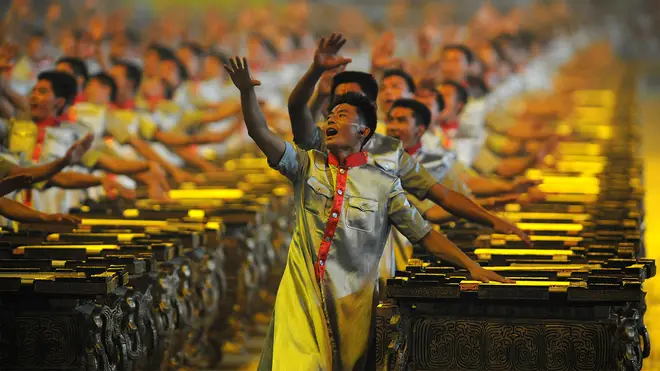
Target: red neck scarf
point(414, 149)
point(353, 160)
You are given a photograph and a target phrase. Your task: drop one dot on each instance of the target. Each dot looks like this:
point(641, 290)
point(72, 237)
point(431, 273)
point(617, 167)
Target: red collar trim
point(353, 160)
point(449, 125)
point(80, 98)
point(48, 122)
point(414, 149)
point(129, 104)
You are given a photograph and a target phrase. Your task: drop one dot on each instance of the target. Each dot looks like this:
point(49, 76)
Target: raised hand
point(239, 71)
point(78, 149)
point(325, 56)
point(12, 183)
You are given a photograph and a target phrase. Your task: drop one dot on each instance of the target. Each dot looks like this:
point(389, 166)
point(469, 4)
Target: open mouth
point(329, 132)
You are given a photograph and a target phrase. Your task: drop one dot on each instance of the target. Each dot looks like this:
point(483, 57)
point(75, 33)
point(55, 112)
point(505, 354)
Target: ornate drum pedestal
point(446, 336)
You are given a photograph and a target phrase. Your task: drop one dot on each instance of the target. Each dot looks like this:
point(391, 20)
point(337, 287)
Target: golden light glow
point(550, 227)
point(209, 194)
point(123, 222)
point(95, 249)
point(539, 252)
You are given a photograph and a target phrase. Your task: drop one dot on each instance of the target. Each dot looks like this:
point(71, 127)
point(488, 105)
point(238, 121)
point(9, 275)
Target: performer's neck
point(342, 154)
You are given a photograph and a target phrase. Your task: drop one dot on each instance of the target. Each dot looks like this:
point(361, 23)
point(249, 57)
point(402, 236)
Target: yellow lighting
point(196, 214)
point(89, 248)
point(513, 237)
point(550, 227)
point(544, 216)
point(122, 222)
point(540, 252)
point(209, 194)
point(131, 213)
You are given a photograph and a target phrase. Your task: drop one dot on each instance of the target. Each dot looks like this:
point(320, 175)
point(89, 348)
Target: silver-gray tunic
point(308, 309)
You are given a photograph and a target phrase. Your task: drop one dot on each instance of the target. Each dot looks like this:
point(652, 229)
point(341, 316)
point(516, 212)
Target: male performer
point(387, 152)
point(346, 206)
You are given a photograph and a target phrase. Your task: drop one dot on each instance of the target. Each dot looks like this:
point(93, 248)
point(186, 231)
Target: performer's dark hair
point(108, 81)
point(166, 54)
point(194, 47)
point(63, 84)
point(78, 66)
point(478, 83)
point(133, 73)
point(367, 82)
point(469, 56)
point(430, 85)
point(366, 110)
point(421, 113)
point(403, 74)
point(461, 93)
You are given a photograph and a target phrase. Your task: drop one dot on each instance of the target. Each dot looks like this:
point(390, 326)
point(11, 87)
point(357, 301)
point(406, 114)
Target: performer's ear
point(364, 131)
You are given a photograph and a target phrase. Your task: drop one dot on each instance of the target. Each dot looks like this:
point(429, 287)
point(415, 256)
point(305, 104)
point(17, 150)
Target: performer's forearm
point(302, 120)
point(316, 105)
point(42, 172)
point(270, 144)
point(145, 150)
point(73, 180)
point(18, 212)
point(117, 165)
point(459, 205)
point(192, 158)
point(438, 245)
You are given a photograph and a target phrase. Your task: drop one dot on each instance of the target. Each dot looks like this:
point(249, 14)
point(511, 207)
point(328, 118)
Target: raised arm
point(270, 144)
point(325, 58)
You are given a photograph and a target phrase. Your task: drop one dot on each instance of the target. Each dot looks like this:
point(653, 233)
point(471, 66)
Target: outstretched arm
point(410, 223)
point(47, 171)
point(270, 144)
point(18, 212)
point(463, 207)
point(325, 58)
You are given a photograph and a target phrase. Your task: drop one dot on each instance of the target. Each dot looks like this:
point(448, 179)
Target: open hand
point(78, 149)
point(12, 183)
point(325, 56)
point(479, 274)
point(240, 75)
point(503, 226)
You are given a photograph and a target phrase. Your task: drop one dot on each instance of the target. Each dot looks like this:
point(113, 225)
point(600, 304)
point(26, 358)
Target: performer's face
point(344, 130)
point(96, 92)
point(393, 87)
point(452, 105)
point(454, 65)
point(401, 124)
point(429, 99)
point(43, 102)
point(118, 73)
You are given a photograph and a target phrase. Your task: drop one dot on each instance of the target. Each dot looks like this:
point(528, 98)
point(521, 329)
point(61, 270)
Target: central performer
point(345, 208)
